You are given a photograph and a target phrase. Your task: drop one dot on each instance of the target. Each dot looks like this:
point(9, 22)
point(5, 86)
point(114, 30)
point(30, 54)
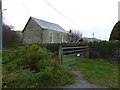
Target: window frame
point(61, 38)
point(50, 37)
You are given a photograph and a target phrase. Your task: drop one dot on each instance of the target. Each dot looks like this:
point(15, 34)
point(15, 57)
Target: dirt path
point(81, 83)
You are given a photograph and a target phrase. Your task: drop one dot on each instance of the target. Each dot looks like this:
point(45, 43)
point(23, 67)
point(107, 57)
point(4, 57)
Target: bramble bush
point(31, 66)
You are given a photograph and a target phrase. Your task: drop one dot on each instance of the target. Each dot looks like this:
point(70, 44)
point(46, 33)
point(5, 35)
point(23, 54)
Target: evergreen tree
point(115, 34)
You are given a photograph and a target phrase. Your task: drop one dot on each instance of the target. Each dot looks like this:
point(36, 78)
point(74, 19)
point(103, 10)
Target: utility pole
point(0, 27)
point(0, 44)
point(93, 34)
point(119, 11)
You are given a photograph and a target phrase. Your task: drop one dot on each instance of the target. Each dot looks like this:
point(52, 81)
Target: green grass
point(74, 59)
point(99, 71)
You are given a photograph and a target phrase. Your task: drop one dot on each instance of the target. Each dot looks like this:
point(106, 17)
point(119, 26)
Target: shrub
point(44, 77)
point(115, 34)
point(32, 57)
point(10, 38)
point(18, 79)
point(32, 66)
point(105, 50)
point(63, 75)
point(41, 64)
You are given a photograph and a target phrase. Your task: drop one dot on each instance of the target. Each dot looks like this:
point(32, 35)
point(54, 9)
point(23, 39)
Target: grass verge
point(99, 71)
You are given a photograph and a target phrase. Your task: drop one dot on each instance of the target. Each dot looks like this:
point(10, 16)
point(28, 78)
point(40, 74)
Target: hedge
point(104, 49)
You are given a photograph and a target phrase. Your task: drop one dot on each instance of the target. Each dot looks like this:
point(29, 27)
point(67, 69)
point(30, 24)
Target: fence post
point(87, 51)
point(60, 53)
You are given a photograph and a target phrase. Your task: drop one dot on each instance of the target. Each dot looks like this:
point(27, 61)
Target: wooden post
point(60, 53)
point(87, 51)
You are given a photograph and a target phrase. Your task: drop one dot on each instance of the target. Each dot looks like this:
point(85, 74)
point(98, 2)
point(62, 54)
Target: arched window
point(61, 38)
point(51, 37)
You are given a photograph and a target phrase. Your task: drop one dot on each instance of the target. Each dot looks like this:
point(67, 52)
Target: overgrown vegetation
point(10, 37)
point(99, 71)
point(105, 50)
point(115, 34)
point(31, 66)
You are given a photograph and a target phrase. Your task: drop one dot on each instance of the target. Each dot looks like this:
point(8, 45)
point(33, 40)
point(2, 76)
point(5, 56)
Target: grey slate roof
point(49, 25)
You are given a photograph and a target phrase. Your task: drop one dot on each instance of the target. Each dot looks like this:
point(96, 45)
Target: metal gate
point(72, 55)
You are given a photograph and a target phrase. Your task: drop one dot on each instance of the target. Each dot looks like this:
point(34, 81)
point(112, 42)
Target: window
point(51, 37)
point(61, 38)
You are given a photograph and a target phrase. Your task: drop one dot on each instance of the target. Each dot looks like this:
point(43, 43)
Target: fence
point(103, 50)
point(72, 55)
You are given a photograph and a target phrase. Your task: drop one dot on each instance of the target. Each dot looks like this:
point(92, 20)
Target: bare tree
point(9, 36)
point(75, 35)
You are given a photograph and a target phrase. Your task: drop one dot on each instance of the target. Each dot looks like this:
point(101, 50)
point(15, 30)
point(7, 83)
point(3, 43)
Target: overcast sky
point(88, 16)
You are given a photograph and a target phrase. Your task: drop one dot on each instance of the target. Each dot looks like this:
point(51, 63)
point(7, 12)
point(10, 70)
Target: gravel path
point(81, 83)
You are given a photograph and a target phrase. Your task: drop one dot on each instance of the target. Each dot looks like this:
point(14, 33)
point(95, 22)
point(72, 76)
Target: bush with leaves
point(115, 33)
point(32, 66)
point(18, 79)
point(10, 37)
point(29, 57)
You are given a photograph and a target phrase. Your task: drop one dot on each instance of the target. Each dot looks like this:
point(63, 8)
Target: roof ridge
point(44, 21)
point(48, 25)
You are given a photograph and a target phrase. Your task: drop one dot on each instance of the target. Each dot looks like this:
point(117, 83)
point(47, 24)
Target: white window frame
point(61, 39)
point(51, 36)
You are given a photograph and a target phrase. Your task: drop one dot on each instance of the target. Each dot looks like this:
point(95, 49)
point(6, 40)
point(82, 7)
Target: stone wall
point(56, 36)
point(32, 33)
